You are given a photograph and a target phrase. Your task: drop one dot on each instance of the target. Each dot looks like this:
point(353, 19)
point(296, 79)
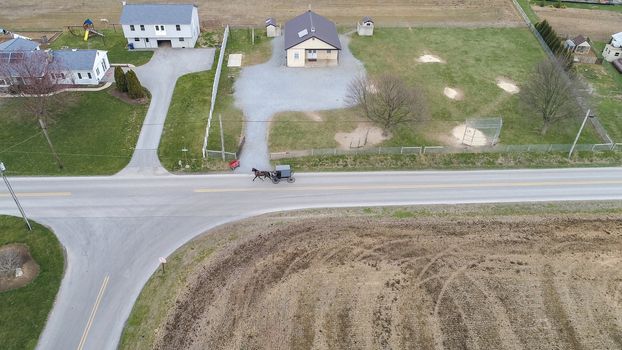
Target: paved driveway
point(160, 76)
point(269, 88)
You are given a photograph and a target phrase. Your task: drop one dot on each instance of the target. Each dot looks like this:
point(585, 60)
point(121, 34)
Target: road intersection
point(114, 229)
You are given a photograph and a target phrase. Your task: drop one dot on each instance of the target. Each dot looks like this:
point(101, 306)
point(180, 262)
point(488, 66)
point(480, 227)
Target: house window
point(89, 74)
point(131, 27)
point(146, 40)
point(617, 54)
point(296, 56)
point(97, 71)
point(328, 51)
point(62, 75)
point(3, 82)
point(136, 39)
point(142, 27)
point(181, 39)
point(79, 75)
point(178, 27)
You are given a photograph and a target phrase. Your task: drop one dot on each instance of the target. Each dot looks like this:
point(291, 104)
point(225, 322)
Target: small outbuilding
point(579, 45)
point(311, 41)
point(365, 27)
point(613, 49)
point(272, 30)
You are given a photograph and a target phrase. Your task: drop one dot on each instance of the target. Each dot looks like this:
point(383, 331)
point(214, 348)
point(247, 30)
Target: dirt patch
point(596, 24)
point(30, 268)
point(507, 85)
point(341, 281)
point(125, 98)
point(364, 135)
point(468, 136)
point(453, 93)
point(315, 116)
point(430, 59)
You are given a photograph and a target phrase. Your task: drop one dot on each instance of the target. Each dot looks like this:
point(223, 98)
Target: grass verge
point(453, 161)
point(25, 310)
point(94, 133)
point(189, 110)
point(577, 5)
point(114, 42)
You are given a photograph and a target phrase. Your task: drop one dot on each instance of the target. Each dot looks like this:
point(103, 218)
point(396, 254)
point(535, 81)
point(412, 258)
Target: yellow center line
point(89, 323)
point(38, 194)
point(287, 187)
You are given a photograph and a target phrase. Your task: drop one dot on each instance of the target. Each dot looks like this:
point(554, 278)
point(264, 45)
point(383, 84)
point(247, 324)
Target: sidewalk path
point(160, 76)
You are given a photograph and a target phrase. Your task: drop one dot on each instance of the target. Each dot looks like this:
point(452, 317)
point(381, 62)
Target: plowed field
point(55, 14)
point(372, 282)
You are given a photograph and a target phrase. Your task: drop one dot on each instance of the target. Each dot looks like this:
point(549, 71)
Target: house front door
point(312, 55)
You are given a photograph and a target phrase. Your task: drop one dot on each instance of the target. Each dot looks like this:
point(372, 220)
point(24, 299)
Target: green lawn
point(524, 4)
point(614, 8)
point(189, 110)
point(94, 133)
point(114, 42)
point(25, 310)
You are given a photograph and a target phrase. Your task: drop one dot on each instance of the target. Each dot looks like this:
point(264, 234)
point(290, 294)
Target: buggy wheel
point(275, 180)
point(291, 180)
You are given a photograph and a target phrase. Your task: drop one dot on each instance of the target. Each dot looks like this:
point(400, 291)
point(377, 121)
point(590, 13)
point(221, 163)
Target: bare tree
point(551, 94)
point(10, 259)
point(37, 76)
point(386, 100)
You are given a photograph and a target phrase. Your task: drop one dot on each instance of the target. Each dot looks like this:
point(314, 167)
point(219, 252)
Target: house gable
point(311, 25)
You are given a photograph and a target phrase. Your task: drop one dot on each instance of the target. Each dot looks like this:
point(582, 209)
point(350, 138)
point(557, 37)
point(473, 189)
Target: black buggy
point(282, 172)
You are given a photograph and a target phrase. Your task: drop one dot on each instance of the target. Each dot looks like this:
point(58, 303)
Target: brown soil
point(339, 281)
point(57, 14)
point(125, 98)
point(30, 269)
point(365, 135)
point(596, 24)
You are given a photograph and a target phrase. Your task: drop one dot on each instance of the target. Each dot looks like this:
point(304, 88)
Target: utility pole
point(8, 186)
point(587, 115)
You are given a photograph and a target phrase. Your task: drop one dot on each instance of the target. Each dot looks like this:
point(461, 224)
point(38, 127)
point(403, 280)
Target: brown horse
point(260, 174)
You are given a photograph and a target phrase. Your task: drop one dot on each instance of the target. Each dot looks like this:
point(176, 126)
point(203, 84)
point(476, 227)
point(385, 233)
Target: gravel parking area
point(266, 89)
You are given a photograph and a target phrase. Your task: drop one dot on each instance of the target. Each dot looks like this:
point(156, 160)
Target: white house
point(613, 50)
point(148, 26)
point(272, 30)
point(311, 41)
point(82, 67)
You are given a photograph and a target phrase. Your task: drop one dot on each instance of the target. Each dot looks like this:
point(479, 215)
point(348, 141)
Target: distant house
point(579, 45)
point(19, 44)
point(82, 67)
point(365, 27)
point(160, 25)
point(613, 49)
point(76, 67)
point(272, 30)
point(310, 41)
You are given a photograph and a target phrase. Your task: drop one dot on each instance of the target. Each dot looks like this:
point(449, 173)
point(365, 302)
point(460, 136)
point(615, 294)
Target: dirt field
point(54, 14)
point(597, 24)
point(376, 281)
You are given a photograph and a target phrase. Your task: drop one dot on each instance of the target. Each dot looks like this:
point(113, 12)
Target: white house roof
point(310, 25)
point(270, 22)
point(157, 14)
point(616, 39)
point(18, 44)
point(78, 59)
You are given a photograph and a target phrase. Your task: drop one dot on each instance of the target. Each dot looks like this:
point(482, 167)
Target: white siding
point(189, 32)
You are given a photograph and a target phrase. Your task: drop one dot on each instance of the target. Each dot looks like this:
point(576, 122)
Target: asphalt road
point(115, 228)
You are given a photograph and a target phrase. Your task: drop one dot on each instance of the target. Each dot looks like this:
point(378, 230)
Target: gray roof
point(579, 40)
point(270, 22)
point(157, 14)
point(310, 25)
point(18, 44)
point(367, 19)
point(76, 60)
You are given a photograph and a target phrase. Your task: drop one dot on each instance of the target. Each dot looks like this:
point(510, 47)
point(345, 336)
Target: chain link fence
point(418, 150)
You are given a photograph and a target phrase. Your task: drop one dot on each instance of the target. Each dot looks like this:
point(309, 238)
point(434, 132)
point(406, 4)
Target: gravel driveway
point(269, 88)
point(159, 75)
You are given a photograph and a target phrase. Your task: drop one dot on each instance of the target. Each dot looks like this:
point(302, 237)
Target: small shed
point(581, 45)
point(365, 27)
point(272, 30)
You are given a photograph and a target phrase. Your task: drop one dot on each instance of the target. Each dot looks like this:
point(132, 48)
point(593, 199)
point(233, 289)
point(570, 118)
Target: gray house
point(148, 26)
point(311, 41)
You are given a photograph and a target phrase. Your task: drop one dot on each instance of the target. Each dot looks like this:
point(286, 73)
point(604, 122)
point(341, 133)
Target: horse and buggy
point(281, 172)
